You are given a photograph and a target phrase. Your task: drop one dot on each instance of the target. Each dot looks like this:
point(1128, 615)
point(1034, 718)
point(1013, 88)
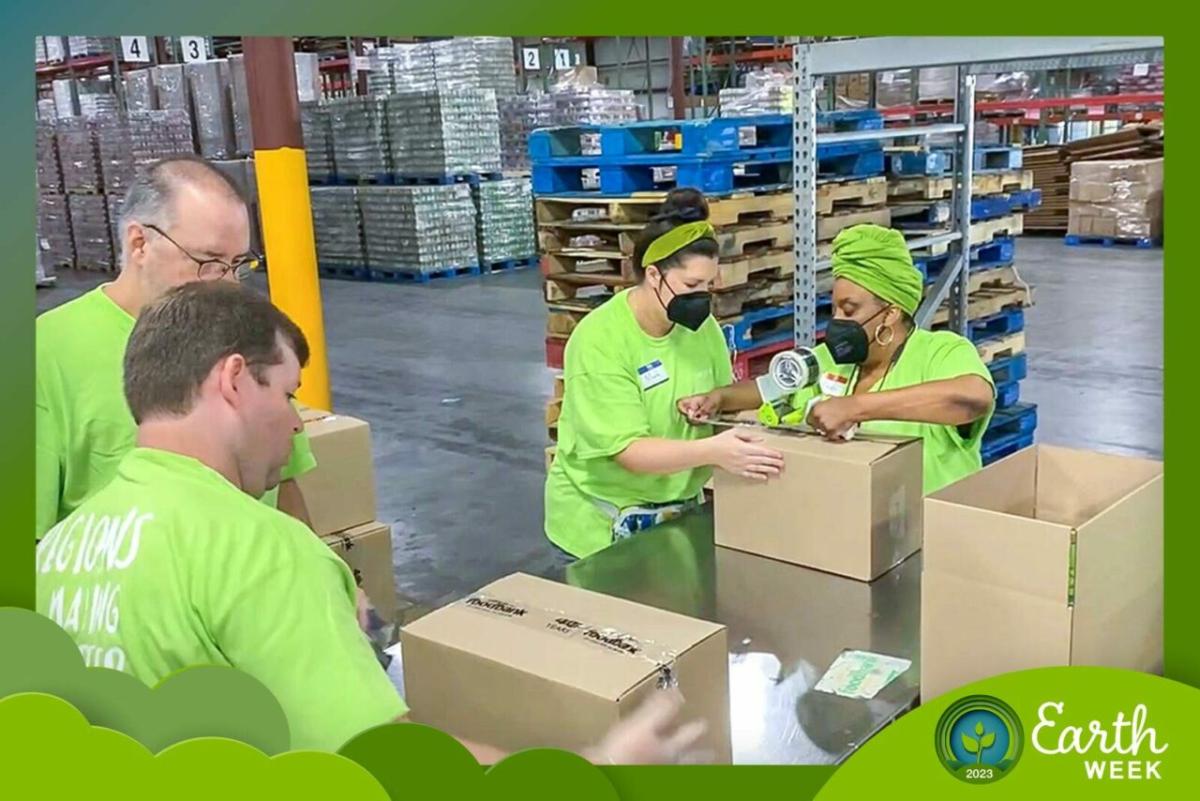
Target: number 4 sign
point(135, 49)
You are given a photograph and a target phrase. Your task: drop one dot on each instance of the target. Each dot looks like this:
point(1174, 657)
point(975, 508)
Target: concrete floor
point(452, 377)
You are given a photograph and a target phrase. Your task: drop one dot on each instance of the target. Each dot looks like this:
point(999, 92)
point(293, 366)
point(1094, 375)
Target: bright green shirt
point(927, 356)
point(84, 426)
point(621, 385)
point(170, 565)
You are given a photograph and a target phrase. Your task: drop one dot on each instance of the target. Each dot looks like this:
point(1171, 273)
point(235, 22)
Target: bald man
point(182, 221)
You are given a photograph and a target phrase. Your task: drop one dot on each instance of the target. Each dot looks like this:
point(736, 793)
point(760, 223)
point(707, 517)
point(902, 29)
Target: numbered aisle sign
point(195, 48)
point(135, 49)
point(531, 58)
point(562, 59)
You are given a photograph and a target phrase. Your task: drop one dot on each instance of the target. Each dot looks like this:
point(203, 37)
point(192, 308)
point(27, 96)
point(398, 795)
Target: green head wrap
point(877, 259)
point(676, 240)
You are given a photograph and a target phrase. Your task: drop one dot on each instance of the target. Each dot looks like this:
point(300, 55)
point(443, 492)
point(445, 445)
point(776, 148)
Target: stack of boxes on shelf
point(920, 193)
point(340, 496)
point(587, 235)
point(418, 164)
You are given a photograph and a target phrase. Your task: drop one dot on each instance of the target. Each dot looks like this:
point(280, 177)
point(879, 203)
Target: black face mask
point(847, 340)
point(689, 309)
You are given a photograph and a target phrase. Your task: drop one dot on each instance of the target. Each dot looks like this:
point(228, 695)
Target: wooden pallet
point(836, 195)
point(831, 225)
point(553, 412)
point(561, 322)
point(1002, 347)
point(937, 187)
point(773, 263)
point(986, 230)
point(550, 451)
point(732, 302)
point(635, 211)
point(986, 302)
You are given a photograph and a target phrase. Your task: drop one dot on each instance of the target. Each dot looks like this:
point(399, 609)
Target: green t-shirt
point(621, 385)
point(84, 426)
point(927, 356)
point(170, 565)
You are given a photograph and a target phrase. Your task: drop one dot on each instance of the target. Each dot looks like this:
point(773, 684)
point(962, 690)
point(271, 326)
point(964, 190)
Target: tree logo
point(979, 739)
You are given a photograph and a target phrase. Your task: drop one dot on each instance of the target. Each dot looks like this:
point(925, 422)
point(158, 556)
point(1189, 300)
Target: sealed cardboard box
point(1120, 199)
point(851, 508)
point(340, 491)
point(1049, 557)
point(368, 551)
point(526, 662)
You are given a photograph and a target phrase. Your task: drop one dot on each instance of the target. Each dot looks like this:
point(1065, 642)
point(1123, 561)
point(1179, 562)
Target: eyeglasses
point(214, 269)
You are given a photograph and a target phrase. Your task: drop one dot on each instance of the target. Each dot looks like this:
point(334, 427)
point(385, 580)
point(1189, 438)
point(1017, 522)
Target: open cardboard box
point(1049, 557)
point(851, 508)
point(526, 662)
point(340, 491)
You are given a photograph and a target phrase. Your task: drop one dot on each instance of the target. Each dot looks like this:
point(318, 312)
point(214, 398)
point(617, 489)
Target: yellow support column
point(282, 175)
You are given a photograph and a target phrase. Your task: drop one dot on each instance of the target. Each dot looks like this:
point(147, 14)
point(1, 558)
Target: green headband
point(676, 240)
point(878, 260)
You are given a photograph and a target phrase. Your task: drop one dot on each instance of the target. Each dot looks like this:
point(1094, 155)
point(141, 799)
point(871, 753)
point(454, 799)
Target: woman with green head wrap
point(879, 371)
point(627, 458)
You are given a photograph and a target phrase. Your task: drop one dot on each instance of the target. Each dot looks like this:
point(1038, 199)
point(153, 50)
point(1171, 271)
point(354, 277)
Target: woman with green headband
point(878, 370)
point(627, 458)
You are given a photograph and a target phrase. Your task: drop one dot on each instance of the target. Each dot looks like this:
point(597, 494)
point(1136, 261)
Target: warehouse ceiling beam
point(981, 53)
point(282, 176)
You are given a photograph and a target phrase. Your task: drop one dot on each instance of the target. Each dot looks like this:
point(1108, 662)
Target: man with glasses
point(182, 221)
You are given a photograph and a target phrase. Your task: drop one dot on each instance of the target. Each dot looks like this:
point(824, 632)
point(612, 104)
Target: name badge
point(652, 374)
point(834, 385)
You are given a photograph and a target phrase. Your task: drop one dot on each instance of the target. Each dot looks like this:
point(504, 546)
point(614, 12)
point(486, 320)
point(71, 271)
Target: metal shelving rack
point(971, 56)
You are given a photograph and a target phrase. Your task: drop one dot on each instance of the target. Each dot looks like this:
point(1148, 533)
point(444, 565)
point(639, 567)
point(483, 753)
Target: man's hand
point(647, 737)
point(699, 409)
point(834, 417)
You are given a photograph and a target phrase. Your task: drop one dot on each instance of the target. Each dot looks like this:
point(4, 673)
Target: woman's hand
point(699, 409)
point(737, 451)
point(834, 417)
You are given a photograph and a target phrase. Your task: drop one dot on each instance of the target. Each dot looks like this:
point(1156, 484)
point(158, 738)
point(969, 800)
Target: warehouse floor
point(452, 377)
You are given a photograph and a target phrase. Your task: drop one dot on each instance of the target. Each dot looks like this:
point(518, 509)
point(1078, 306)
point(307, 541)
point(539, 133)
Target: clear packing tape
point(768, 91)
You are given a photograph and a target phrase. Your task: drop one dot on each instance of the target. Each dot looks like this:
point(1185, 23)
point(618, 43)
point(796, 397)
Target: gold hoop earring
point(891, 335)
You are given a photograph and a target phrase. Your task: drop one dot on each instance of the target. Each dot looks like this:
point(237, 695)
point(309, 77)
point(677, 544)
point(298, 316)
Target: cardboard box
point(851, 508)
point(368, 551)
point(1049, 557)
point(340, 492)
point(1122, 199)
point(527, 662)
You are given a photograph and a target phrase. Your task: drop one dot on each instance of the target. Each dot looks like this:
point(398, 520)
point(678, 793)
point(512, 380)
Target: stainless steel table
point(786, 625)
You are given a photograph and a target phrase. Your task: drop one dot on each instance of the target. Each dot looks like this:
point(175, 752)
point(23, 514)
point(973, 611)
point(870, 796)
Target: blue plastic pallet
point(474, 179)
point(418, 277)
point(1025, 199)
point(1008, 394)
point(508, 265)
point(990, 207)
point(709, 175)
point(849, 166)
point(998, 159)
point(347, 272)
point(996, 448)
point(927, 162)
point(1111, 241)
point(1013, 368)
point(1000, 252)
point(1020, 418)
point(860, 119)
point(1009, 321)
point(742, 334)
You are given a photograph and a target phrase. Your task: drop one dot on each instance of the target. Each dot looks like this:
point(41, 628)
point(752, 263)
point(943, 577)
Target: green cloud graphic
point(196, 702)
point(413, 761)
point(51, 751)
